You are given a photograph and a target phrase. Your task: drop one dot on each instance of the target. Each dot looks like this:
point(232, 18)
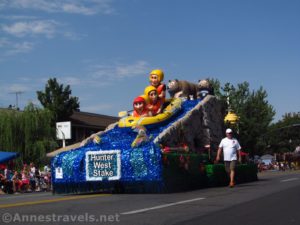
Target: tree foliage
point(58, 100)
point(29, 132)
point(284, 135)
point(256, 116)
point(254, 112)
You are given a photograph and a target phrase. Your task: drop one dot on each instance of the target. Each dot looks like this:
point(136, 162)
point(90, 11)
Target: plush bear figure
point(204, 88)
point(182, 88)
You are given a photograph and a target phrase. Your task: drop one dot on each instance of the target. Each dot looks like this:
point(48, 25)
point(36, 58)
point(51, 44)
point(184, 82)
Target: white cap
point(228, 131)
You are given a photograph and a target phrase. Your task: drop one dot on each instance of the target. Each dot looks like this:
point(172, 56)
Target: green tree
point(284, 135)
point(58, 100)
point(29, 132)
point(216, 84)
point(9, 129)
point(38, 133)
point(254, 112)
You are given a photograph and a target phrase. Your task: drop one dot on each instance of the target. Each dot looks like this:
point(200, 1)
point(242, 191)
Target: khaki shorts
point(230, 165)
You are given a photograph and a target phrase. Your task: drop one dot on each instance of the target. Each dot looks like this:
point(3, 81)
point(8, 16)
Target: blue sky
point(104, 49)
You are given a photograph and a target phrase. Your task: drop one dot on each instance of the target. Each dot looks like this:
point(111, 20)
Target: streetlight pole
point(231, 117)
point(290, 141)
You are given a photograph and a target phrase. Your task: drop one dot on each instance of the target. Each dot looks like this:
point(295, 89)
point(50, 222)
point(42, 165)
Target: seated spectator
point(46, 168)
point(2, 167)
point(37, 180)
point(32, 176)
point(47, 179)
point(8, 183)
point(2, 183)
point(17, 182)
point(25, 181)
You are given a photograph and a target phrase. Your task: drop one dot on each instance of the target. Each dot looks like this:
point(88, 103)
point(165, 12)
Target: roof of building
point(91, 120)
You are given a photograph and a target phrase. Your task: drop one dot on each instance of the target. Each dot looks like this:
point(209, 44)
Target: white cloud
point(83, 7)
point(21, 83)
point(120, 71)
point(123, 71)
point(100, 76)
point(82, 81)
point(17, 17)
point(79, 9)
point(17, 48)
point(73, 36)
point(72, 81)
point(12, 48)
point(13, 88)
point(3, 42)
point(39, 27)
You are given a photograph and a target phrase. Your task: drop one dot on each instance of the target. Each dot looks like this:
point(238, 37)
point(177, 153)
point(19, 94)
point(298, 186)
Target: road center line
point(161, 206)
point(51, 200)
point(291, 179)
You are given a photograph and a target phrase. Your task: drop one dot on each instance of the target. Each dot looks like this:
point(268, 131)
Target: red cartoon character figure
point(139, 107)
point(154, 105)
point(156, 77)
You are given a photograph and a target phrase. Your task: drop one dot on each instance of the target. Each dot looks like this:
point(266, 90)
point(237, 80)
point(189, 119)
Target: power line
point(17, 93)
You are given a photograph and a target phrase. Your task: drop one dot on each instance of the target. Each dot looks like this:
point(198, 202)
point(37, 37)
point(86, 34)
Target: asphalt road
point(274, 200)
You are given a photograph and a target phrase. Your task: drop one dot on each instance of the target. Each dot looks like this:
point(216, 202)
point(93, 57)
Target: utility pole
point(17, 93)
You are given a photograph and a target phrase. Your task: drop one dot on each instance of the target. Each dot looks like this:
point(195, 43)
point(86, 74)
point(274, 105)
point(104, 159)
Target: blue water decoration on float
point(137, 161)
point(142, 163)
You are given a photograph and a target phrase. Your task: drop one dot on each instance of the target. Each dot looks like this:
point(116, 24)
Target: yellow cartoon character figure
point(156, 77)
point(154, 103)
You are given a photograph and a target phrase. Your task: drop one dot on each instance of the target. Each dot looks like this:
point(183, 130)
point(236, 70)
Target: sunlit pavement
point(249, 203)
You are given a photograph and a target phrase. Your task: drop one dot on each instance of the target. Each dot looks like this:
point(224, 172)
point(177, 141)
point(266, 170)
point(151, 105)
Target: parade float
point(165, 152)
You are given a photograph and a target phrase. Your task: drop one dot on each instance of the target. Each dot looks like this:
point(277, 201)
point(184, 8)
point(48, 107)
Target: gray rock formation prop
point(201, 126)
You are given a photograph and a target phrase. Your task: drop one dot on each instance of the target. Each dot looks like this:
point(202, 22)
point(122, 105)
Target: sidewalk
point(268, 173)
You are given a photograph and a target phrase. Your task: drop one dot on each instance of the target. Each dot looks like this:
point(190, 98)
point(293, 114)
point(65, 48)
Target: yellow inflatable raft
point(168, 112)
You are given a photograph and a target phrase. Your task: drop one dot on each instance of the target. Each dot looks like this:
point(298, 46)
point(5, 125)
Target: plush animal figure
point(204, 88)
point(182, 88)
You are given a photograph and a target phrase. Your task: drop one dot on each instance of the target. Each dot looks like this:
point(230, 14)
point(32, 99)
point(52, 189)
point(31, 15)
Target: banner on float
point(103, 165)
point(59, 173)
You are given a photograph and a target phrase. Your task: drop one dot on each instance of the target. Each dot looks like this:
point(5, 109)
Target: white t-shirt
point(230, 147)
